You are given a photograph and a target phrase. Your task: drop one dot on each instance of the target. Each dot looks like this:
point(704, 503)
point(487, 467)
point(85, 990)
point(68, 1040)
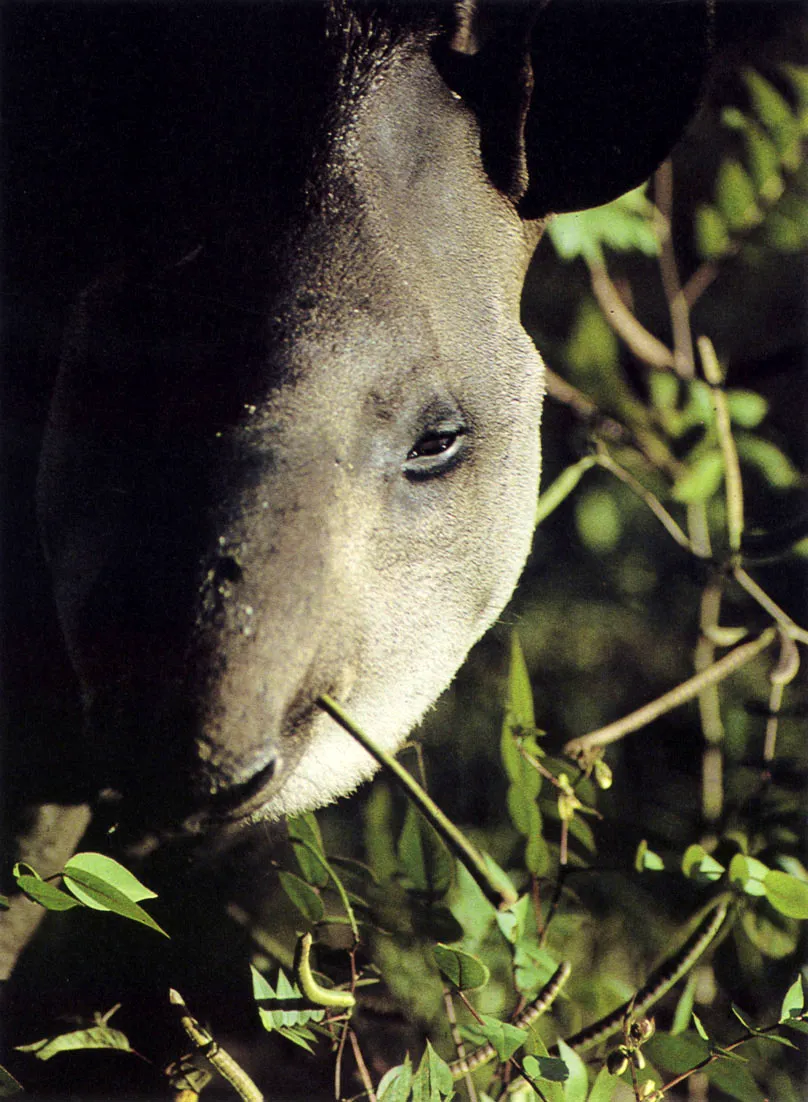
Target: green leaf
point(303, 895)
point(735, 1080)
point(293, 1011)
point(646, 860)
point(774, 466)
point(794, 1001)
point(763, 162)
point(111, 873)
point(304, 828)
point(498, 876)
point(702, 1032)
point(576, 1086)
point(396, 1083)
point(46, 894)
point(94, 1037)
point(787, 894)
point(746, 408)
point(523, 811)
point(799, 1024)
point(512, 920)
point(465, 971)
point(735, 196)
point(664, 389)
point(592, 349)
point(739, 1014)
point(538, 1059)
point(532, 968)
point(423, 855)
point(777, 116)
point(22, 868)
point(698, 865)
point(748, 874)
point(582, 832)
point(784, 234)
point(378, 833)
point(537, 854)
point(95, 892)
point(519, 700)
point(712, 239)
point(8, 1084)
point(701, 480)
point(798, 76)
point(546, 1067)
point(298, 1035)
point(506, 1038)
point(624, 225)
point(433, 1080)
point(598, 520)
point(5, 902)
point(684, 1007)
point(773, 934)
point(733, 119)
point(604, 1086)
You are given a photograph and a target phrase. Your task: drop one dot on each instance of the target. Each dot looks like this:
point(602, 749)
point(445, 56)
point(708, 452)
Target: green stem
point(466, 853)
point(605, 461)
point(343, 895)
point(540, 1005)
point(748, 583)
point(578, 747)
point(563, 486)
point(732, 467)
point(660, 981)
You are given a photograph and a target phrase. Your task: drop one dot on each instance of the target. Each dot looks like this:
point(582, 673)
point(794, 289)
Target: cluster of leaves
point(766, 188)
point(89, 880)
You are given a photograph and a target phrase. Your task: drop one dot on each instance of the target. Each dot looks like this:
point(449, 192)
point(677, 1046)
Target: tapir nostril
point(228, 570)
point(240, 794)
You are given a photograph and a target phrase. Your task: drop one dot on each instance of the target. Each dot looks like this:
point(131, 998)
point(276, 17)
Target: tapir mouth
point(240, 800)
point(243, 801)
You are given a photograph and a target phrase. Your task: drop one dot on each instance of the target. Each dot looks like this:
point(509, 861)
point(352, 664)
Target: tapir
point(293, 446)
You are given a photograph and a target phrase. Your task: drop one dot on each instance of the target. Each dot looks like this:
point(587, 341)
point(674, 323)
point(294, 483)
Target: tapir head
point(294, 446)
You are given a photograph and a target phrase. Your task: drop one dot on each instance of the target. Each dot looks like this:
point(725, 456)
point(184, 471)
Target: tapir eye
point(435, 451)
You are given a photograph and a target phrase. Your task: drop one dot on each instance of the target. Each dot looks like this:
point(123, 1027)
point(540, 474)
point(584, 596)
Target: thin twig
point(729, 453)
point(661, 980)
point(701, 279)
point(699, 529)
point(215, 1055)
point(540, 1005)
point(687, 690)
point(495, 890)
point(784, 672)
point(568, 395)
point(364, 1074)
point(604, 460)
point(792, 629)
point(717, 1055)
point(712, 727)
point(343, 1037)
point(645, 346)
point(669, 274)
point(460, 1048)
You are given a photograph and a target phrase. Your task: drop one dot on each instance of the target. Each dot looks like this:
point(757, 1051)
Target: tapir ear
point(578, 100)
